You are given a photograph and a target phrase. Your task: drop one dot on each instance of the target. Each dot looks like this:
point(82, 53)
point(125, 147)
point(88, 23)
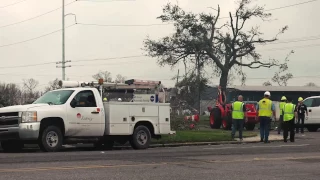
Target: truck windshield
point(54, 97)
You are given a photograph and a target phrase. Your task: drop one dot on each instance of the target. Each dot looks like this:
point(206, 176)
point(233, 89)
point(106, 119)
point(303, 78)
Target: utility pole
point(63, 62)
point(178, 77)
point(198, 79)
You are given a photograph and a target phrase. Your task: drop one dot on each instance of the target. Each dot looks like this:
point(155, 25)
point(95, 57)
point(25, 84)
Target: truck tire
point(312, 128)
point(250, 126)
point(140, 138)
point(51, 139)
point(12, 146)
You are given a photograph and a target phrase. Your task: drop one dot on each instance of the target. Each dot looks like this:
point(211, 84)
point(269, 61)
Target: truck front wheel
point(51, 139)
point(141, 138)
point(12, 146)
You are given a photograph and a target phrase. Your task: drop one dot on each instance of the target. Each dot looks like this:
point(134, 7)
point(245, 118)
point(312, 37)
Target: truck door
point(85, 115)
point(310, 106)
point(315, 111)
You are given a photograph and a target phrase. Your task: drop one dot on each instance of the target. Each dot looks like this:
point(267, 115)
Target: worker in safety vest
point(281, 105)
point(302, 110)
point(265, 109)
point(289, 115)
point(238, 117)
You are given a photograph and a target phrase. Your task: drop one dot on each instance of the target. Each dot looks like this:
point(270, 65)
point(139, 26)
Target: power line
point(286, 48)
point(297, 40)
point(283, 7)
point(38, 37)
point(292, 5)
point(12, 4)
point(132, 25)
point(35, 17)
point(117, 63)
point(123, 25)
point(104, 59)
point(80, 60)
point(105, 1)
point(26, 65)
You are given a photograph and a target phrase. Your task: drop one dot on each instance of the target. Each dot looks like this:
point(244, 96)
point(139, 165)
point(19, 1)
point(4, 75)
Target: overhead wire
point(18, 2)
point(38, 37)
point(35, 17)
point(142, 25)
point(123, 25)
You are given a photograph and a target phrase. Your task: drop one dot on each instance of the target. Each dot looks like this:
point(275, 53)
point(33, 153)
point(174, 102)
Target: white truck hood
point(20, 108)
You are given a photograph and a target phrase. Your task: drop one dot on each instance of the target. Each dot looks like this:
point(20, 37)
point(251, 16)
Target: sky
point(27, 40)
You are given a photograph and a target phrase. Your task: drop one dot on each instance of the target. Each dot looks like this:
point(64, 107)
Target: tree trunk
point(223, 84)
point(224, 80)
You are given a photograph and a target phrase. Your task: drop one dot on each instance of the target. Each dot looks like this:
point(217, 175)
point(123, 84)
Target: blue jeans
point(265, 123)
point(237, 124)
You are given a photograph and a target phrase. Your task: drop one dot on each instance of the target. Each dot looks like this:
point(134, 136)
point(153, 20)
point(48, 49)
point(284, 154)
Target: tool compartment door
point(117, 119)
point(164, 119)
point(145, 112)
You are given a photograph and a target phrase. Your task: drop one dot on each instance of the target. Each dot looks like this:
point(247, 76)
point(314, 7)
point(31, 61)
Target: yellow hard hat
point(104, 99)
point(283, 98)
point(300, 99)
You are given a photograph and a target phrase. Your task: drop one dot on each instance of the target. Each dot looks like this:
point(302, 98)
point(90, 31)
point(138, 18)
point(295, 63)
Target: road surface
point(277, 160)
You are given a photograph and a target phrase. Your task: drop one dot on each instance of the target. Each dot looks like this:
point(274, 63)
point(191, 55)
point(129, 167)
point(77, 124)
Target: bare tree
point(226, 47)
point(267, 83)
point(120, 78)
point(53, 85)
point(281, 77)
point(10, 94)
point(30, 84)
point(30, 93)
point(105, 75)
point(311, 84)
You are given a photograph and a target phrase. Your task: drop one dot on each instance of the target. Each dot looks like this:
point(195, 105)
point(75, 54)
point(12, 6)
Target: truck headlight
point(29, 116)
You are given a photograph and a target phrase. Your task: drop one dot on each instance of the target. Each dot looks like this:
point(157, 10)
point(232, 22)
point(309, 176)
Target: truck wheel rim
point(52, 139)
point(142, 137)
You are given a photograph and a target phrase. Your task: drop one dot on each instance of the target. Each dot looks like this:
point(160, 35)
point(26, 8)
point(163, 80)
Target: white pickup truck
point(77, 114)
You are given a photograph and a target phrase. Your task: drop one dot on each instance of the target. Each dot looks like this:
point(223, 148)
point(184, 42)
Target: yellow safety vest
point(237, 110)
point(288, 112)
point(281, 106)
point(265, 107)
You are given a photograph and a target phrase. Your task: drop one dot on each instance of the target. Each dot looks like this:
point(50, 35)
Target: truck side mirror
point(73, 103)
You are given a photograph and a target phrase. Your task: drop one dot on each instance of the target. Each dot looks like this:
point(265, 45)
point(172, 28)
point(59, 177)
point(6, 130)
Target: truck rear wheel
point(51, 139)
point(12, 146)
point(141, 138)
point(312, 128)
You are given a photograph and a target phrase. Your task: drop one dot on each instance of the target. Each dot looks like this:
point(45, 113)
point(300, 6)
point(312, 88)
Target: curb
point(206, 143)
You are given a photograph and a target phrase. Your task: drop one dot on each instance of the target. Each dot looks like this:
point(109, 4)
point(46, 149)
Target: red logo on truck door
point(79, 115)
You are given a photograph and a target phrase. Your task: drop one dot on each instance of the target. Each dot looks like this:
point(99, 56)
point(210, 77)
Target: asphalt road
point(277, 160)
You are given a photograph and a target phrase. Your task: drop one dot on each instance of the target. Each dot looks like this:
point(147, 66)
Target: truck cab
point(76, 114)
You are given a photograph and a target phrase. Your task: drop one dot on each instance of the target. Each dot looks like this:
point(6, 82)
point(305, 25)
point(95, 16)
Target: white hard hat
point(267, 93)
point(119, 99)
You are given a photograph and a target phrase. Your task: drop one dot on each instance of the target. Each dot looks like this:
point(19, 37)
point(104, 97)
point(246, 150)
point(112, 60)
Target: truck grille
point(9, 119)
